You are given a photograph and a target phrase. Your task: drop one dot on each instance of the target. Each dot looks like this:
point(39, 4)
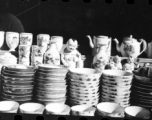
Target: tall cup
point(26, 38)
point(12, 40)
point(43, 41)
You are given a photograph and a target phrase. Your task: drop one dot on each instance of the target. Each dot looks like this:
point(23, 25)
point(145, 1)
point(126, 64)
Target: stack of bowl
point(83, 86)
point(51, 84)
point(83, 110)
point(57, 109)
point(17, 83)
point(115, 87)
point(142, 91)
point(108, 109)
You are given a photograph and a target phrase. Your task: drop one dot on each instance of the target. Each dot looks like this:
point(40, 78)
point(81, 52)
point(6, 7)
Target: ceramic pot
point(26, 38)
point(12, 40)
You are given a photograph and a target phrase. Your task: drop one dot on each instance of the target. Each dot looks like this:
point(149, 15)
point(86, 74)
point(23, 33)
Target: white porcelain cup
point(26, 38)
point(58, 40)
point(2, 33)
point(12, 40)
point(43, 40)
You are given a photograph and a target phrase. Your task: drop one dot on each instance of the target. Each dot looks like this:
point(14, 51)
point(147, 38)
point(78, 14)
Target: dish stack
point(17, 83)
point(83, 86)
point(51, 84)
point(142, 91)
point(115, 87)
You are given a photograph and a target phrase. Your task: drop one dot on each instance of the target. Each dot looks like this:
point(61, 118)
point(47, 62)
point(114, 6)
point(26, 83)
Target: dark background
point(77, 19)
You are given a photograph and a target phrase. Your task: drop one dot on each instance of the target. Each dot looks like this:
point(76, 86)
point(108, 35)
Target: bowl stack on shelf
point(51, 84)
point(142, 91)
point(83, 86)
point(115, 87)
point(17, 83)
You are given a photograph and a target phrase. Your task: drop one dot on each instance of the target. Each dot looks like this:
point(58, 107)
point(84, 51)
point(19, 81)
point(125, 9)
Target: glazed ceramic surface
point(12, 40)
point(26, 38)
point(130, 47)
point(100, 41)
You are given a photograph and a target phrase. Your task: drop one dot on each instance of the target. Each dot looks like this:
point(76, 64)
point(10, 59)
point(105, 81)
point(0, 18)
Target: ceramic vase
point(52, 56)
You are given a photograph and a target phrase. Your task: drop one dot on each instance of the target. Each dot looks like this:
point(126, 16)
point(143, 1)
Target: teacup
point(26, 38)
point(12, 40)
point(43, 41)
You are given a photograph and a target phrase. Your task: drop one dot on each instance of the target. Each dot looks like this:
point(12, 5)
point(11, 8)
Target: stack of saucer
point(83, 86)
point(17, 83)
point(141, 94)
point(51, 84)
point(115, 87)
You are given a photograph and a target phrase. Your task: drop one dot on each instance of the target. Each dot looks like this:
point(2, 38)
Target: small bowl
point(31, 108)
point(110, 109)
point(17, 79)
point(115, 88)
point(119, 83)
point(46, 67)
point(83, 110)
point(117, 74)
point(9, 106)
point(137, 112)
point(57, 109)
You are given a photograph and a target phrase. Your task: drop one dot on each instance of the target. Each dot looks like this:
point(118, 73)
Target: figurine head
point(72, 45)
point(127, 67)
point(117, 59)
point(130, 59)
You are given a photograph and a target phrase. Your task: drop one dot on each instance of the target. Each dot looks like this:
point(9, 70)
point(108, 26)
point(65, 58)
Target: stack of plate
point(51, 84)
point(115, 87)
point(83, 86)
point(142, 91)
point(17, 83)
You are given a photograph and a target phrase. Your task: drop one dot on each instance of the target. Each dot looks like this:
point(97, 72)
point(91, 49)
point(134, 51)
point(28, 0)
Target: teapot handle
point(144, 45)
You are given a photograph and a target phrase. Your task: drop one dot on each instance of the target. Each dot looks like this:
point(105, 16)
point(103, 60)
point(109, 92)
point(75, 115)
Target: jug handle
point(144, 45)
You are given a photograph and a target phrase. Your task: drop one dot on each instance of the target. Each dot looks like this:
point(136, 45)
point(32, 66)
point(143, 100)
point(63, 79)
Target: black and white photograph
point(75, 59)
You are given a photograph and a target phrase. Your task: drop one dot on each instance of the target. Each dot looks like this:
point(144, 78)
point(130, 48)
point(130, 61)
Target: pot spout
point(90, 41)
point(117, 45)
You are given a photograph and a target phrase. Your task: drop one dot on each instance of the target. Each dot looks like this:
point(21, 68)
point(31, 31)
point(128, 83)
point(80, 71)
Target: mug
point(26, 38)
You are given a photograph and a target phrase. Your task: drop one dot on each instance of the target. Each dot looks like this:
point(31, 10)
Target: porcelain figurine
point(101, 59)
point(117, 62)
point(70, 56)
point(149, 50)
point(130, 61)
point(2, 33)
point(127, 67)
point(100, 40)
point(112, 65)
point(130, 47)
point(52, 55)
point(12, 40)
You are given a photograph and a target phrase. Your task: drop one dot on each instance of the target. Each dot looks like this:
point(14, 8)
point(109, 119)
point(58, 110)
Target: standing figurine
point(130, 61)
point(127, 67)
point(117, 62)
point(70, 56)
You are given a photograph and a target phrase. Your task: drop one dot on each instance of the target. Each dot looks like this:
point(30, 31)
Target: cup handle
point(144, 46)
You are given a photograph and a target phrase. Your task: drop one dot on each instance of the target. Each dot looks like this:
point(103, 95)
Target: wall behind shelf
point(77, 19)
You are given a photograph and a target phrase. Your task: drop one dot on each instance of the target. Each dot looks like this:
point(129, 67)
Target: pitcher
point(100, 40)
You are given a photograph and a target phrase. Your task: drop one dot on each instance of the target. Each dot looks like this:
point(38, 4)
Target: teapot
point(100, 40)
point(148, 50)
point(130, 47)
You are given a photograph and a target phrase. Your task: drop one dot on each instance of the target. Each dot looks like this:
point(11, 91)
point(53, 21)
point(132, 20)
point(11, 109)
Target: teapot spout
point(90, 41)
point(117, 45)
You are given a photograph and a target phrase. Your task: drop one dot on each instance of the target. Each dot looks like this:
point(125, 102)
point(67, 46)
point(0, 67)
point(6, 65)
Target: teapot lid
point(130, 38)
